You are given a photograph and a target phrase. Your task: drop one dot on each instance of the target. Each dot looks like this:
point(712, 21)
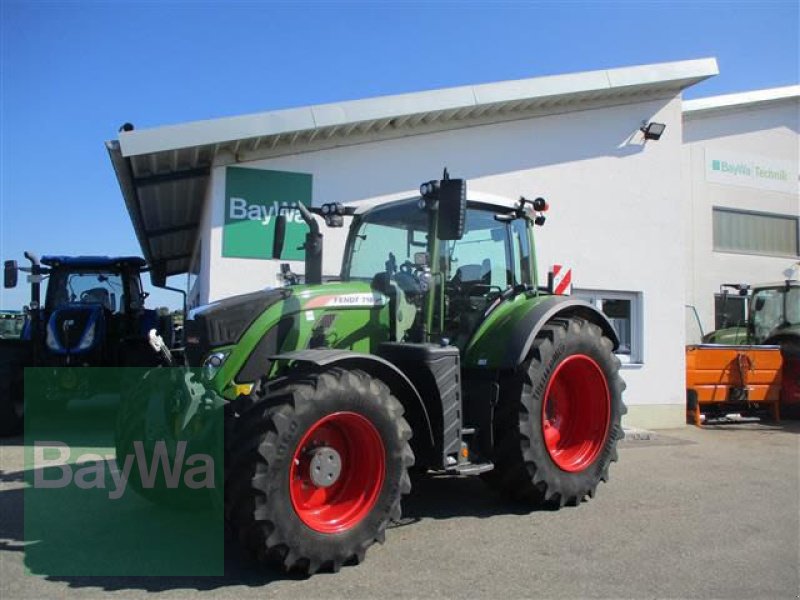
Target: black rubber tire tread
point(11, 389)
point(265, 428)
point(523, 467)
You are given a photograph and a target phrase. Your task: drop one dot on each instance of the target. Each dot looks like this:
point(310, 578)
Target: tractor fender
point(553, 307)
point(397, 381)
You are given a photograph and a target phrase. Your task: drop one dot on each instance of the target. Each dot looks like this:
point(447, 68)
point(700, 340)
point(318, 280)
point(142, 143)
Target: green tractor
point(435, 351)
point(774, 310)
point(774, 315)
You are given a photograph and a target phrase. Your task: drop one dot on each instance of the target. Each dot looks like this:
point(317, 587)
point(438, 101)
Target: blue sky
point(73, 72)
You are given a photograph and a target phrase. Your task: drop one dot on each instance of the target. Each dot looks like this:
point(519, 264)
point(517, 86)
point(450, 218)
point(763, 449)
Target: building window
point(624, 310)
point(755, 233)
point(729, 311)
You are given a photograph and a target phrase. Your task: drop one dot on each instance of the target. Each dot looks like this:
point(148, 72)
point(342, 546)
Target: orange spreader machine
point(722, 379)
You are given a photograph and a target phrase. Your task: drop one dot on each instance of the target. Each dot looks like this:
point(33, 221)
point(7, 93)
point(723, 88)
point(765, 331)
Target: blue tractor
point(93, 315)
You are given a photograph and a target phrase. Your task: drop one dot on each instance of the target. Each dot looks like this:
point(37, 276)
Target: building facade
point(203, 196)
point(741, 201)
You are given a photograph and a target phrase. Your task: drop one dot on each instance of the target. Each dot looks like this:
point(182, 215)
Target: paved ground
point(690, 514)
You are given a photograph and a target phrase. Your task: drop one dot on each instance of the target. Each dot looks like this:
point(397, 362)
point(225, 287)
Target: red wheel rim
point(342, 505)
point(576, 413)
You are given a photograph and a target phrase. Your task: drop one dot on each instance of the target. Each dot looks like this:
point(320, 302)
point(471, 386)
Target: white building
point(740, 167)
point(198, 193)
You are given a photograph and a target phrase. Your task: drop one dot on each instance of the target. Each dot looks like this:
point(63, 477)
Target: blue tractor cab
point(94, 309)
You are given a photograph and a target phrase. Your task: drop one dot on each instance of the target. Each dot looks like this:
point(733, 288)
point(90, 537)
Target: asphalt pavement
point(689, 513)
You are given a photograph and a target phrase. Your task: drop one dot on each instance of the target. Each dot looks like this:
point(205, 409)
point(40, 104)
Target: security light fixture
point(652, 130)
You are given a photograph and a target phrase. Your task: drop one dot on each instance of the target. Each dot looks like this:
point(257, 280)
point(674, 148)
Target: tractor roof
point(95, 262)
point(777, 284)
point(473, 198)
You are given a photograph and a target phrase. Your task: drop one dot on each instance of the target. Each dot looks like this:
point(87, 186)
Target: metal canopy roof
point(163, 172)
point(743, 100)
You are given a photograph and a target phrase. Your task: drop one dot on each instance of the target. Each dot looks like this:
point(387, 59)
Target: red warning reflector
point(562, 280)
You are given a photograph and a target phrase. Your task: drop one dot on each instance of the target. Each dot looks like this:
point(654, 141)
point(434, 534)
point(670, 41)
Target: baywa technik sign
point(750, 170)
point(253, 198)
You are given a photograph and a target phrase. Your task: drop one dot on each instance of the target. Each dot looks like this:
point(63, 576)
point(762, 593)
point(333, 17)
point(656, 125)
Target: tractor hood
point(222, 323)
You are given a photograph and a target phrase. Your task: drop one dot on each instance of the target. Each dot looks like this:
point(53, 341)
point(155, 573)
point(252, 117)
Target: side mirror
point(452, 208)
point(158, 275)
point(759, 305)
point(278, 236)
point(10, 273)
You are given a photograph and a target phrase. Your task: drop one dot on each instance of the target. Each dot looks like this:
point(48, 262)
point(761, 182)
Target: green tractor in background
point(774, 310)
point(436, 351)
point(774, 320)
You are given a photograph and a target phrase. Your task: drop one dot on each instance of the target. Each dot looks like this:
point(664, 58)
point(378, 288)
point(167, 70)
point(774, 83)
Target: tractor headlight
point(88, 338)
point(213, 363)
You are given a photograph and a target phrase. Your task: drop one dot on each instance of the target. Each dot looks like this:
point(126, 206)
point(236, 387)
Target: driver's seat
point(474, 273)
point(97, 296)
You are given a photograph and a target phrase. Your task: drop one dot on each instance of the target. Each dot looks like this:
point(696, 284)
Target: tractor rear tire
point(11, 400)
point(557, 423)
point(279, 503)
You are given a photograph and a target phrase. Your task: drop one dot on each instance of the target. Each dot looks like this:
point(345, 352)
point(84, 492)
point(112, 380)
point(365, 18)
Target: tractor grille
point(223, 323)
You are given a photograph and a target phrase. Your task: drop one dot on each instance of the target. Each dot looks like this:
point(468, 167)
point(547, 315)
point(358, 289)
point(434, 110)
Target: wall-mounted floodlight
point(652, 130)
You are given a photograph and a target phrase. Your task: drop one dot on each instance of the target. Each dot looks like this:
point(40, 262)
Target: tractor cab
point(91, 300)
point(391, 247)
point(775, 312)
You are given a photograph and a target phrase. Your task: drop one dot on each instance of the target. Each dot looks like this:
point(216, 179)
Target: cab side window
point(482, 256)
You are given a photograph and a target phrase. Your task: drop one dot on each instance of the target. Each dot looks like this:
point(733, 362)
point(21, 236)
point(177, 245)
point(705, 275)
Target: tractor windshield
point(388, 238)
point(86, 287)
point(393, 238)
point(774, 308)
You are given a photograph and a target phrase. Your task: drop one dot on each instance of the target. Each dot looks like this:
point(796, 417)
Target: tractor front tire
point(134, 426)
point(316, 464)
point(557, 423)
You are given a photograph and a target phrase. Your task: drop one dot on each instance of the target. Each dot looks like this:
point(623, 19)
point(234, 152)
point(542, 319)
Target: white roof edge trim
point(472, 196)
point(741, 99)
point(226, 129)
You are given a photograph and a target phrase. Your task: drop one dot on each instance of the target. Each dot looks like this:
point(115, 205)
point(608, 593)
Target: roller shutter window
point(755, 233)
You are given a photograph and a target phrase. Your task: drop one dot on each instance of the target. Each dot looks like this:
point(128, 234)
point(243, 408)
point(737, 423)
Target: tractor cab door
point(490, 258)
point(389, 248)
